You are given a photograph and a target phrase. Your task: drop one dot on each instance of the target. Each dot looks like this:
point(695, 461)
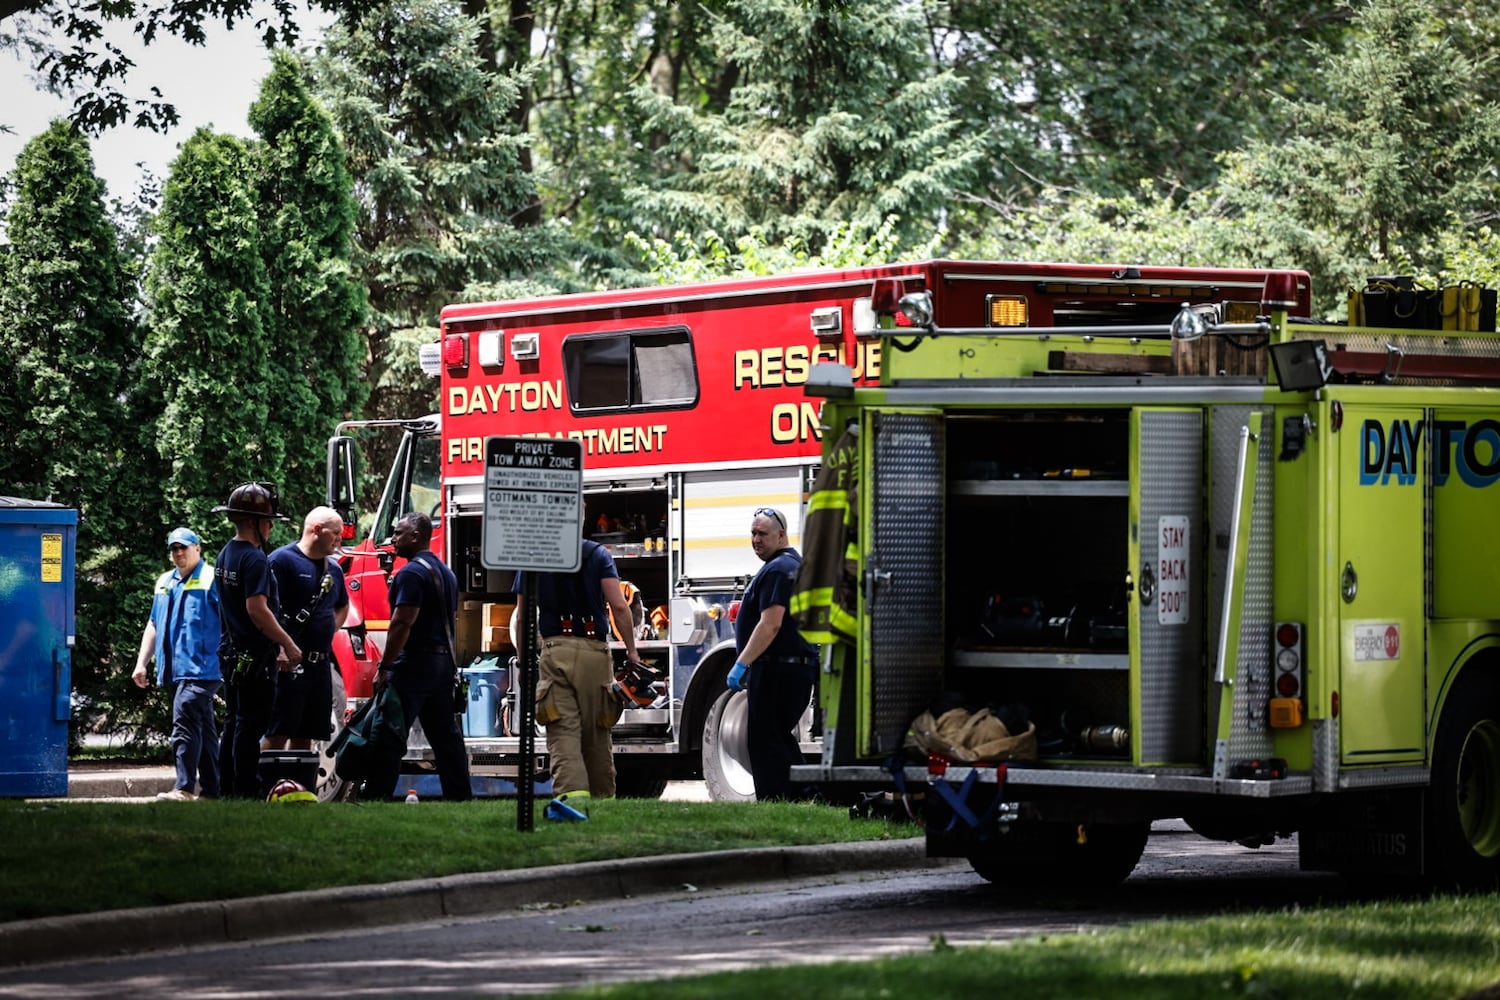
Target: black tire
point(1462, 846)
point(638, 783)
point(726, 749)
point(1036, 855)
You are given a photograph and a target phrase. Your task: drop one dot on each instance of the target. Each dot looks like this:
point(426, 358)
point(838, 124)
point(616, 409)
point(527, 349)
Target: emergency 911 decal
point(1376, 642)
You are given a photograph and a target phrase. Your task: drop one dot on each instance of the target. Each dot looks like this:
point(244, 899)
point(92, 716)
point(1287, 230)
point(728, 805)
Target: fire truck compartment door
point(901, 535)
point(716, 509)
point(1382, 483)
point(1168, 686)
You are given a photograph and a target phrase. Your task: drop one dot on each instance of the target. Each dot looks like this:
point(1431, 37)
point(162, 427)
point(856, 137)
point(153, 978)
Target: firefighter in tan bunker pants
point(573, 699)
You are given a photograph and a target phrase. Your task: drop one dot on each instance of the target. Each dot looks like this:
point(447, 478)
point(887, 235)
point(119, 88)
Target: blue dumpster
point(36, 645)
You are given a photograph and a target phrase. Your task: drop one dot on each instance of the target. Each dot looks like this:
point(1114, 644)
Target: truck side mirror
point(340, 487)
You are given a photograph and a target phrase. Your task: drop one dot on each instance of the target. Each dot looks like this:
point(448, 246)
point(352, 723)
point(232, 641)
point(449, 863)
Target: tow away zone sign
point(533, 504)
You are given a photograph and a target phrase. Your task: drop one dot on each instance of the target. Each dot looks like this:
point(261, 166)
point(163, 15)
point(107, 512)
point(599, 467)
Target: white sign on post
point(533, 504)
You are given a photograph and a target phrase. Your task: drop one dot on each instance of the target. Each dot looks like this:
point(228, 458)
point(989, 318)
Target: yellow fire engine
point(1210, 558)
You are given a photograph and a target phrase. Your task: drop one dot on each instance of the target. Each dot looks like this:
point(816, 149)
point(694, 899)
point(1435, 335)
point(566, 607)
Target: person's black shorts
point(303, 706)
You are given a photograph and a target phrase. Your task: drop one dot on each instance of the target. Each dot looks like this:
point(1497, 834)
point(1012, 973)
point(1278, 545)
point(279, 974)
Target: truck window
point(414, 483)
point(644, 370)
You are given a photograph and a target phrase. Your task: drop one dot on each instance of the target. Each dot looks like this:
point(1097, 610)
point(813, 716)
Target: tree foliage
point(69, 344)
point(71, 46)
point(437, 178)
point(1097, 95)
point(792, 119)
point(1399, 152)
point(208, 351)
point(315, 307)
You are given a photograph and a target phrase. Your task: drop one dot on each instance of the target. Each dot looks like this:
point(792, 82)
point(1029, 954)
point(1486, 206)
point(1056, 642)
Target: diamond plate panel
point(1248, 734)
point(1172, 675)
point(904, 590)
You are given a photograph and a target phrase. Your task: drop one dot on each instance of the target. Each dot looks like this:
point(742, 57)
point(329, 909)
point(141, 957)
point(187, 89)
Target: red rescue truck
point(688, 404)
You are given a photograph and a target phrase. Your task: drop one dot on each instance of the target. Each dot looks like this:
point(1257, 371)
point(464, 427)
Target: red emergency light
point(1279, 292)
point(456, 351)
point(885, 296)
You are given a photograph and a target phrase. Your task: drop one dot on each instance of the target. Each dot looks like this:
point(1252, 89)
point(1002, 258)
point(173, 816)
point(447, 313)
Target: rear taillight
point(1288, 677)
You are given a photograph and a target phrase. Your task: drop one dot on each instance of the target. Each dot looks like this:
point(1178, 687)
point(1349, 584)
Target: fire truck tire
point(1049, 855)
point(726, 749)
point(1463, 801)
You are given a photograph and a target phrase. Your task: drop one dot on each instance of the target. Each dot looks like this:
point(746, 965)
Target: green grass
point(1440, 948)
point(81, 857)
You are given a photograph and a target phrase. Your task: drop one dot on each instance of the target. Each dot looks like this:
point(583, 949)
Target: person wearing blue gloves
point(773, 662)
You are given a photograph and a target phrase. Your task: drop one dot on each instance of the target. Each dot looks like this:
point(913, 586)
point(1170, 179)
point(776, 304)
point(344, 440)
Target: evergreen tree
point(69, 345)
point(208, 355)
point(438, 178)
point(833, 118)
point(315, 308)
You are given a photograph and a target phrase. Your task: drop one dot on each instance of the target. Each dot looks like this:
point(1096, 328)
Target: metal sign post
point(533, 522)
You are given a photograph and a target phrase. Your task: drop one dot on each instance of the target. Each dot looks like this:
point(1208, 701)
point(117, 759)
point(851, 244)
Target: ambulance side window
point(641, 370)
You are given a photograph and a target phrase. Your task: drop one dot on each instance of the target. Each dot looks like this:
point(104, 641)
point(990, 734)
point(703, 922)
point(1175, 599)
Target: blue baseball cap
point(181, 536)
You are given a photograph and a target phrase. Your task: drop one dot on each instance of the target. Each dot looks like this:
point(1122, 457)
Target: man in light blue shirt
point(182, 635)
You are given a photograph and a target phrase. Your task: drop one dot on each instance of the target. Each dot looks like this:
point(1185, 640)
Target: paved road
point(694, 930)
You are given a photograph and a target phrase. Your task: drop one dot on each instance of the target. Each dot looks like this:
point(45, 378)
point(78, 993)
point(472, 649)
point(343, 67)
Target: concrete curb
point(121, 784)
point(295, 914)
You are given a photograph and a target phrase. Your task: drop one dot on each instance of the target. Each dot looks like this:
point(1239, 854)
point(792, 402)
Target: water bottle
point(411, 797)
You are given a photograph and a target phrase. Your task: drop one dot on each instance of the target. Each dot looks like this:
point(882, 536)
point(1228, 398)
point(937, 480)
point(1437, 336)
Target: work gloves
point(736, 679)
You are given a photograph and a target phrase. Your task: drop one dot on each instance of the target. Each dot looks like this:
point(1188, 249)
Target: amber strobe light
point(1008, 310)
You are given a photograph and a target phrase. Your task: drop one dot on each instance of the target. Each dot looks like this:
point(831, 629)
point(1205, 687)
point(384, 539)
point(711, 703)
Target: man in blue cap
point(182, 635)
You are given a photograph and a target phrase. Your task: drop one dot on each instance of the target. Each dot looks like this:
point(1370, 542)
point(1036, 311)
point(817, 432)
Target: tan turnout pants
point(574, 704)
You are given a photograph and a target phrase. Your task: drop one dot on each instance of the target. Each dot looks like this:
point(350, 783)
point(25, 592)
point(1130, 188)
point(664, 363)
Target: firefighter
point(778, 666)
point(314, 603)
point(254, 646)
point(575, 613)
point(418, 659)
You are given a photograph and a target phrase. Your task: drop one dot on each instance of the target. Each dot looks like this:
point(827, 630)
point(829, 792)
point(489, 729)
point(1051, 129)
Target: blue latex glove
point(736, 679)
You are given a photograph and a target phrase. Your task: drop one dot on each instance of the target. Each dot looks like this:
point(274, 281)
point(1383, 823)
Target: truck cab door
point(903, 509)
point(1383, 480)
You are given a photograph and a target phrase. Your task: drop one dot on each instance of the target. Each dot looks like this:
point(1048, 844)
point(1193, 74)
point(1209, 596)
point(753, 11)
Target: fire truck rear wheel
point(1463, 800)
point(1049, 854)
point(726, 749)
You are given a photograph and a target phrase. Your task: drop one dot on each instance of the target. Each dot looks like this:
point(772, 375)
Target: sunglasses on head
point(772, 513)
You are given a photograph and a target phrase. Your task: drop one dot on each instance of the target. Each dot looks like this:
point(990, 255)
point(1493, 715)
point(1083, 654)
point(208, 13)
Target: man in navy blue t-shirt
point(418, 658)
point(254, 646)
point(314, 604)
point(780, 664)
